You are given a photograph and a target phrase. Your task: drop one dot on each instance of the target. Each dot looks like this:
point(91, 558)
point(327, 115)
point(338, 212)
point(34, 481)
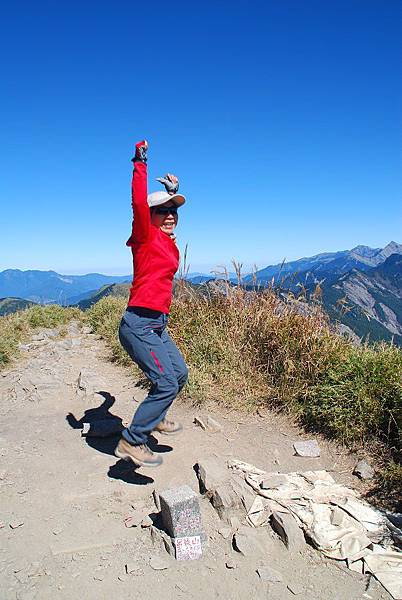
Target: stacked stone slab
point(181, 516)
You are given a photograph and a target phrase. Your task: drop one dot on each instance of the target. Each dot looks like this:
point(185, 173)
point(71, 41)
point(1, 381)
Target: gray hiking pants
point(143, 335)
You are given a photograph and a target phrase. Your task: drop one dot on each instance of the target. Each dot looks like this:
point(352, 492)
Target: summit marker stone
point(181, 517)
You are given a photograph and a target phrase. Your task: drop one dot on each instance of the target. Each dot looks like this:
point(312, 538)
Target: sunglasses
point(166, 210)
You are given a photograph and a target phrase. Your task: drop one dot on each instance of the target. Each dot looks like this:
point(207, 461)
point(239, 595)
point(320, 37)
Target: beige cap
point(158, 198)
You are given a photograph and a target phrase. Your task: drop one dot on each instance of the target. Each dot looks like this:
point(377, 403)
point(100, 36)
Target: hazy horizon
point(201, 268)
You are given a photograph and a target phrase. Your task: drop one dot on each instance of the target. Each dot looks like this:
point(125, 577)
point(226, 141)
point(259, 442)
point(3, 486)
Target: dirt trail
point(64, 498)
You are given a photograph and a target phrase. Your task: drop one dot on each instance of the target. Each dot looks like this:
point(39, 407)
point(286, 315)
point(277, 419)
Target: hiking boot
point(169, 427)
point(141, 455)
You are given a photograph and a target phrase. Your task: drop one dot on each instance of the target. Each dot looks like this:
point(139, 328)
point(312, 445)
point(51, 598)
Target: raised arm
point(141, 214)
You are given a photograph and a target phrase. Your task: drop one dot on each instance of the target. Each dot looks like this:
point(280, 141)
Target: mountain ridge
point(45, 287)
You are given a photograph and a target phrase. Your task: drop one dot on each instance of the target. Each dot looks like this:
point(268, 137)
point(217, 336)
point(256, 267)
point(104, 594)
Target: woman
point(142, 330)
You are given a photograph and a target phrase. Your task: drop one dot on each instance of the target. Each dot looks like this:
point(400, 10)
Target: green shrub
point(358, 397)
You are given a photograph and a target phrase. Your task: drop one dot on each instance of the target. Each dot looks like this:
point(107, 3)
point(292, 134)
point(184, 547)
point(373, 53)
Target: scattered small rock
point(268, 574)
point(102, 428)
point(157, 502)
point(65, 344)
point(230, 564)
point(198, 421)
point(295, 589)
point(132, 568)
point(213, 425)
point(38, 337)
point(146, 522)
point(363, 470)
point(162, 540)
point(24, 347)
point(208, 424)
point(158, 563)
point(308, 448)
point(134, 519)
point(27, 594)
point(225, 532)
point(87, 382)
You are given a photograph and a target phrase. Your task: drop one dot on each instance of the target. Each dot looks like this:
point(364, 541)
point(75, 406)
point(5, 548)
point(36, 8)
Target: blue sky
point(281, 118)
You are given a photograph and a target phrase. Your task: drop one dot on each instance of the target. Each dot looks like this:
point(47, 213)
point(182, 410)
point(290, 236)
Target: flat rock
point(285, 525)
point(273, 480)
point(266, 573)
point(213, 426)
point(363, 470)
point(158, 563)
point(308, 449)
point(246, 542)
point(211, 473)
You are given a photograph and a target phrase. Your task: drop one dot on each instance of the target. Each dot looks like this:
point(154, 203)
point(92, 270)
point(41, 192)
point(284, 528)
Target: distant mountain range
point(360, 288)
point(368, 302)
point(44, 287)
point(326, 266)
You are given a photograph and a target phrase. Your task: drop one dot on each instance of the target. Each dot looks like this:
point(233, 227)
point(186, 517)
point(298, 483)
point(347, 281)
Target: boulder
point(363, 470)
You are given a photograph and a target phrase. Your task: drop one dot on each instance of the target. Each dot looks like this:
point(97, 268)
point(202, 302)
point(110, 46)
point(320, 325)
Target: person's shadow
point(110, 427)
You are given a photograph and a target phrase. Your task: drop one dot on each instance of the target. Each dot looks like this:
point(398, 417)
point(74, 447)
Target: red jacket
point(155, 254)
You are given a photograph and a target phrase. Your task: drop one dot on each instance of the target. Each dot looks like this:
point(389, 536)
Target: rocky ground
point(66, 500)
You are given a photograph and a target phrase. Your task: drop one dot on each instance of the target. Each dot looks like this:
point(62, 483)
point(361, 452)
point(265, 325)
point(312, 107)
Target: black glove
point(171, 187)
point(141, 150)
